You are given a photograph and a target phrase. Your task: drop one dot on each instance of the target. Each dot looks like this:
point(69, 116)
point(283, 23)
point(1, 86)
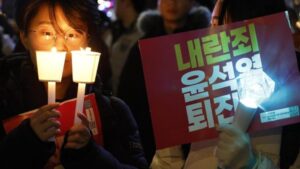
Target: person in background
point(121, 36)
point(171, 16)
point(235, 149)
point(67, 25)
point(8, 36)
point(290, 138)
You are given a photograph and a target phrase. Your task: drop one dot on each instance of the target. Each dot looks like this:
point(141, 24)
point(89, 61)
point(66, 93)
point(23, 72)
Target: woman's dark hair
point(239, 10)
point(80, 14)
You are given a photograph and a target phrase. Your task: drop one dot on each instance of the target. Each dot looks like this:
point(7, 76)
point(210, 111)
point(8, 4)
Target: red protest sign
point(191, 78)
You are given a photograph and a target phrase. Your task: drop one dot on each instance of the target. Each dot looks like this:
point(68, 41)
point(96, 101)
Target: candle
point(84, 70)
point(50, 66)
point(51, 92)
point(79, 101)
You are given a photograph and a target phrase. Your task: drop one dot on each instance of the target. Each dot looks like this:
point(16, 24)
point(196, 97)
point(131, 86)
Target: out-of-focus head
point(174, 10)
point(121, 6)
point(66, 25)
point(227, 11)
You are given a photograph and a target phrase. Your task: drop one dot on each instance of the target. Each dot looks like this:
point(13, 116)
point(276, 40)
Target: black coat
point(21, 91)
point(290, 140)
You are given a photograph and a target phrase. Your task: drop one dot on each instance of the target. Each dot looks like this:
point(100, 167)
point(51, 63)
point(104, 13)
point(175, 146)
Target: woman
point(67, 25)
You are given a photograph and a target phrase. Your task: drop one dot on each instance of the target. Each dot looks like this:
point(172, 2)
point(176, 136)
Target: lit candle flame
point(87, 49)
point(53, 49)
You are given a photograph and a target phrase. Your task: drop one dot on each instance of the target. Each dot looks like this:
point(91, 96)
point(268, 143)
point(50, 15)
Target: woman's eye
point(72, 36)
point(46, 33)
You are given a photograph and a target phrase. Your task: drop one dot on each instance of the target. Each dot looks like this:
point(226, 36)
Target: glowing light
point(110, 14)
point(84, 68)
point(104, 5)
point(50, 65)
point(298, 24)
point(254, 87)
point(84, 65)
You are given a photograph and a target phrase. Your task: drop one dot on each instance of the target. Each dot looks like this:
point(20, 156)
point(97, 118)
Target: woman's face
point(43, 36)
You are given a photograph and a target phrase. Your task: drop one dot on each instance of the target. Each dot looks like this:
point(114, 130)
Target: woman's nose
point(60, 42)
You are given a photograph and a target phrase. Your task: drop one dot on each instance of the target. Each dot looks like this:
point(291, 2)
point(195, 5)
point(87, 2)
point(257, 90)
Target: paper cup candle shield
point(84, 68)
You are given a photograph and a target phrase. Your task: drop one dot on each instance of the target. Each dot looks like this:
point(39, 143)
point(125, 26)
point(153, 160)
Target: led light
point(254, 87)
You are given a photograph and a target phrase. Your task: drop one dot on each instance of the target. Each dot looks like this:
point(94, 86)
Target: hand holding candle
point(50, 66)
point(84, 68)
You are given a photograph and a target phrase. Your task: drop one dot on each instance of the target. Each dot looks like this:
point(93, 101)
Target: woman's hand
point(79, 135)
point(43, 122)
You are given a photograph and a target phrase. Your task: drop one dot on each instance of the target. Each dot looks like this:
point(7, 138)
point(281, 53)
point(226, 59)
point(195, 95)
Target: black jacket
point(132, 87)
point(21, 91)
point(290, 139)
